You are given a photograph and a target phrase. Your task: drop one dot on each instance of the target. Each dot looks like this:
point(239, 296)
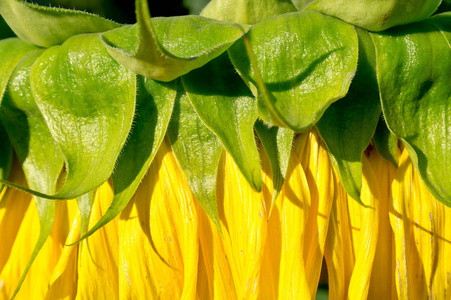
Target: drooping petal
point(19, 212)
point(158, 242)
point(203, 287)
point(320, 178)
point(383, 272)
point(422, 237)
point(292, 214)
point(99, 254)
point(337, 250)
point(352, 239)
point(63, 282)
point(13, 207)
point(217, 268)
point(298, 224)
point(270, 269)
point(233, 261)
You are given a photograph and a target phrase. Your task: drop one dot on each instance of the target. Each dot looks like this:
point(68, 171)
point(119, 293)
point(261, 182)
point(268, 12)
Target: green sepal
point(167, 48)
point(386, 142)
point(414, 74)
point(49, 26)
point(246, 11)
point(376, 15)
point(306, 62)
point(277, 142)
point(84, 203)
point(12, 50)
point(36, 150)
point(198, 152)
point(226, 106)
point(88, 102)
point(348, 125)
point(154, 104)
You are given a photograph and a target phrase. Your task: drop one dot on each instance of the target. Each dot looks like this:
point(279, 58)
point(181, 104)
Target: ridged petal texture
point(19, 231)
point(422, 237)
point(262, 255)
point(158, 242)
point(98, 255)
point(233, 261)
point(383, 272)
point(164, 246)
point(298, 224)
point(352, 239)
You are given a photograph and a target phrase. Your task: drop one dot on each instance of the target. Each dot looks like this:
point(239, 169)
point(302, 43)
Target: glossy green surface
point(277, 142)
point(198, 152)
point(348, 125)
point(34, 146)
point(88, 102)
point(376, 15)
point(307, 62)
point(49, 26)
point(414, 71)
point(167, 48)
point(226, 106)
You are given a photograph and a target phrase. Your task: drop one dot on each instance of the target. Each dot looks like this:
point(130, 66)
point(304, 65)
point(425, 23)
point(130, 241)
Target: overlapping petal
point(163, 245)
point(352, 239)
point(383, 271)
point(233, 261)
point(422, 237)
point(19, 228)
point(99, 254)
point(158, 241)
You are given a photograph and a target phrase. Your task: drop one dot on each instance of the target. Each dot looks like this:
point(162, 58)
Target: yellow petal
point(297, 228)
point(422, 237)
point(270, 269)
point(15, 256)
point(320, 180)
point(233, 262)
point(352, 240)
point(338, 251)
point(63, 283)
point(203, 287)
point(383, 273)
point(158, 235)
point(99, 254)
point(13, 206)
point(21, 249)
point(293, 214)
point(219, 275)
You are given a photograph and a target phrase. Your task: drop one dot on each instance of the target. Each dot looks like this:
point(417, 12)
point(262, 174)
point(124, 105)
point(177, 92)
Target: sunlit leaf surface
point(88, 102)
point(414, 72)
point(306, 61)
point(49, 26)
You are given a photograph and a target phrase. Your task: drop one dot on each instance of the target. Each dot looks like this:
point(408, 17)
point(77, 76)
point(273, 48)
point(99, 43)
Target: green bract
point(225, 105)
point(83, 98)
point(414, 72)
point(88, 102)
point(184, 43)
point(187, 131)
point(348, 125)
point(376, 15)
point(246, 11)
point(306, 60)
point(45, 26)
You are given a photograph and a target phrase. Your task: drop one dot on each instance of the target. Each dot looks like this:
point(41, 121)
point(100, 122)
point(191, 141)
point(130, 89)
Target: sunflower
point(257, 151)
